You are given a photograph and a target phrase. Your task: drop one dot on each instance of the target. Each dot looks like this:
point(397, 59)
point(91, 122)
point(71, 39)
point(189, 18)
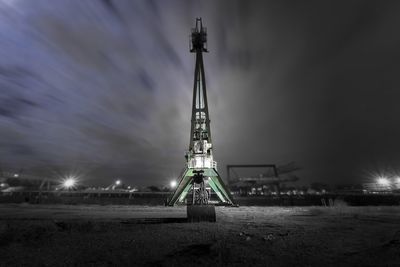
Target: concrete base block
point(201, 213)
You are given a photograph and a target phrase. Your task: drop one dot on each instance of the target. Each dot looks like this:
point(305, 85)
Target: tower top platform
point(198, 38)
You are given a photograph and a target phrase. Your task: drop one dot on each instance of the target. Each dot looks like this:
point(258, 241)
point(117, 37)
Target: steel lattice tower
point(200, 171)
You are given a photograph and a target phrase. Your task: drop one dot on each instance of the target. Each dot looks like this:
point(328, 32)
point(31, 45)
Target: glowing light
point(16, 175)
point(118, 182)
point(2, 185)
point(383, 181)
point(69, 182)
point(398, 180)
point(173, 184)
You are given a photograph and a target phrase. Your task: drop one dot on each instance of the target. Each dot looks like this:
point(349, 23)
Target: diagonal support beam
point(215, 182)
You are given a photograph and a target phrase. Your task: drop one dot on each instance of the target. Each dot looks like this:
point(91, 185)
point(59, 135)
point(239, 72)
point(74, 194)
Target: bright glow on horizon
point(69, 182)
point(118, 182)
point(383, 181)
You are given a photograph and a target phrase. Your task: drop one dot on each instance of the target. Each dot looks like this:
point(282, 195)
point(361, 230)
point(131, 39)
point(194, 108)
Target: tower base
point(214, 181)
point(201, 213)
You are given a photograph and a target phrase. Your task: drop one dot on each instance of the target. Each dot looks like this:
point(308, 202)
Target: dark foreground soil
point(37, 235)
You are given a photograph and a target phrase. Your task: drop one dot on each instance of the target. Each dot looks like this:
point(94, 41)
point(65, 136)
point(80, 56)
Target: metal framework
point(230, 167)
point(200, 171)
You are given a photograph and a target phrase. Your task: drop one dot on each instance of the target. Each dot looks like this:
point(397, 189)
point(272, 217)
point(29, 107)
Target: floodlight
point(69, 182)
point(118, 182)
point(383, 181)
point(173, 184)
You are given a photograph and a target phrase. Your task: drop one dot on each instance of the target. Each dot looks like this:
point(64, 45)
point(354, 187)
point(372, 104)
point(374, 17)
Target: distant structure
point(19, 181)
point(272, 177)
point(200, 172)
point(381, 188)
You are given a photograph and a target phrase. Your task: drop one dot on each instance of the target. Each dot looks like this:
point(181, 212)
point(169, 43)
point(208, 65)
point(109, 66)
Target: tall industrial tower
point(200, 173)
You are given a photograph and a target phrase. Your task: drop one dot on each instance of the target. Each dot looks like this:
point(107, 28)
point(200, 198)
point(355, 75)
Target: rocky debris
point(269, 237)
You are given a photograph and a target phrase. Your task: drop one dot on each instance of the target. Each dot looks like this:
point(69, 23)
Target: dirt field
point(40, 235)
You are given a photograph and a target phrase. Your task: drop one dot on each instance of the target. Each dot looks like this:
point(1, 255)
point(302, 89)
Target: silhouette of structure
point(273, 176)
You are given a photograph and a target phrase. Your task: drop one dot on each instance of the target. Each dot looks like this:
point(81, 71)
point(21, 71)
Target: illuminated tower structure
point(200, 173)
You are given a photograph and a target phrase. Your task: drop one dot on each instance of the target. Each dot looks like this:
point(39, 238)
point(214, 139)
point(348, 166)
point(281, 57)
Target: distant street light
point(383, 181)
point(173, 184)
point(69, 182)
point(16, 175)
point(118, 182)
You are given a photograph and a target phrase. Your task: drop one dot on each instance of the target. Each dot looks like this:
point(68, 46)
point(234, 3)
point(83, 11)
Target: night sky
point(104, 88)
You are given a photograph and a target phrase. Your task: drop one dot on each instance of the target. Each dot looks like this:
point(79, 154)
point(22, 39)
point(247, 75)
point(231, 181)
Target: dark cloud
point(104, 87)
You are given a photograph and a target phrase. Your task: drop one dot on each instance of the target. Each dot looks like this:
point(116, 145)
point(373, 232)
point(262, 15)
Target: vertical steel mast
point(200, 126)
point(200, 172)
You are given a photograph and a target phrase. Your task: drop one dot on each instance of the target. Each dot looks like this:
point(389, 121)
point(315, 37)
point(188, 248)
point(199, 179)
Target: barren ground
point(51, 235)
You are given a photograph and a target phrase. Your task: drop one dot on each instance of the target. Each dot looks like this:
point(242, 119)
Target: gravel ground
point(51, 235)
